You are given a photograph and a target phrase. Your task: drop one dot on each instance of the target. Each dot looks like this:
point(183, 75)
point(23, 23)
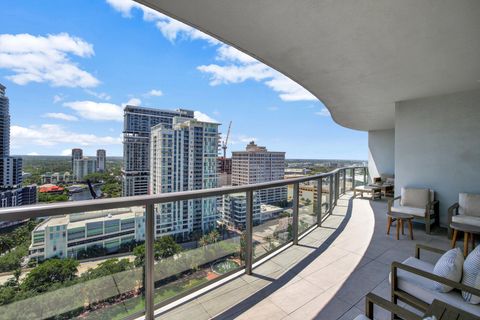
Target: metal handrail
point(47, 210)
point(61, 208)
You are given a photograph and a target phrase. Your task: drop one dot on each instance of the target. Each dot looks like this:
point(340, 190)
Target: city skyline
point(177, 67)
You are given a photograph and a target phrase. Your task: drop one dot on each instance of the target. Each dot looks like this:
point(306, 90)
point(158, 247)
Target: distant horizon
point(121, 157)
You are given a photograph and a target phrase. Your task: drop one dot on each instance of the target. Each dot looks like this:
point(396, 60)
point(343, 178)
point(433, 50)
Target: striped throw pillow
point(449, 266)
point(471, 275)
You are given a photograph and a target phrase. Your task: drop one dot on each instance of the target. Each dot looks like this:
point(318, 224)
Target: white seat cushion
point(418, 212)
point(464, 219)
point(417, 198)
point(471, 275)
point(469, 204)
point(449, 266)
point(424, 289)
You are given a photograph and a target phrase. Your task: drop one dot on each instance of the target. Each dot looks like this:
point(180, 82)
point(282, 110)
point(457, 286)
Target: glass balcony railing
point(126, 257)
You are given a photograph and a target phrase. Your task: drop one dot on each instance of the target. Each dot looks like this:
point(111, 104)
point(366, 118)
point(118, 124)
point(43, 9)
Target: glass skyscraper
point(138, 122)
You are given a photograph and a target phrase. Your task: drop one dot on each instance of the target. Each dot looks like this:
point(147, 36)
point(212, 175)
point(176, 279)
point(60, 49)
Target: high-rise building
point(256, 165)
point(224, 171)
point(83, 167)
point(101, 160)
point(11, 191)
point(138, 122)
point(183, 157)
point(76, 154)
point(4, 124)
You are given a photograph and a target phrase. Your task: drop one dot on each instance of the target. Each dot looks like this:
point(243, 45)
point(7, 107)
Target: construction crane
point(225, 142)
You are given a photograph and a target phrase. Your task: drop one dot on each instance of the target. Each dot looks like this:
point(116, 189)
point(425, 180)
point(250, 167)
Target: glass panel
point(349, 179)
point(325, 195)
point(197, 241)
point(72, 274)
point(333, 192)
point(273, 222)
point(307, 211)
point(341, 180)
point(359, 176)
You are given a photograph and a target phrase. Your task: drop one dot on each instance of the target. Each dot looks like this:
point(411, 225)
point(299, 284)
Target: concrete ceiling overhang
point(358, 57)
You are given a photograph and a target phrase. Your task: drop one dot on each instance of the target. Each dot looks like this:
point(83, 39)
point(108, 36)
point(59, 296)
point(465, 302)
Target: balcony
point(284, 247)
point(325, 276)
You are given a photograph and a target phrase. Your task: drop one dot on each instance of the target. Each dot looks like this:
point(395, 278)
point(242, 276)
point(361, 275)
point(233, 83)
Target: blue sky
point(69, 66)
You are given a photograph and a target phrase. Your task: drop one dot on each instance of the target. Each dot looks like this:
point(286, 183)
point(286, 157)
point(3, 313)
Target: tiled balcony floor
point(325, 277)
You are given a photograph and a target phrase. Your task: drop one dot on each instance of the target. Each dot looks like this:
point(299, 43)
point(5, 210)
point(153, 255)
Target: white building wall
point(381, 153)
point(437, 145)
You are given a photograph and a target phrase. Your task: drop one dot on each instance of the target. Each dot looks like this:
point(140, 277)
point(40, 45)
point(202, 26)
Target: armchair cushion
point(471, 275)
point(424, 289)
point(417, 198)
point(417, 212)
point(469, 204)
point(449, 266)
point(464, 219)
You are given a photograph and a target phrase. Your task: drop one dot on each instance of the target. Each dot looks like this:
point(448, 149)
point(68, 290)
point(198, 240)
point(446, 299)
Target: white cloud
point(57, 98)
point(134, 102)
point(155, 93)
point(33, 154)
point(200, 116)
point(231, 54)
point(323, 113)
point(240, 67)
point(46, 59)
point(288, 89)
point(66, 152)
point(236, 67)
point(170, 28)
point(47, 135)
point(99, 95)
point(60, 116)
point(98, 111)
point(241, 139)
point(236, 73)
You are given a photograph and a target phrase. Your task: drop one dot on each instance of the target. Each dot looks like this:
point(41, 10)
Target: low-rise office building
point(234, 211)
point(65, 236)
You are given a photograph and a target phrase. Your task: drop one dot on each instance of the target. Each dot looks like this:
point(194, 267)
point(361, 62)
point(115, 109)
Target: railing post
point(319, 202)
point(330, 198)
point(296, 195)
point(249, 234)
point(344, 181)
point(353, 178)
point(364, 175)
point(336, 188)
point(149, 261)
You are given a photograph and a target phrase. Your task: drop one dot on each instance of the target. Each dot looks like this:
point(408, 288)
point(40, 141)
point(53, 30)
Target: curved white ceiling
point(357, 56)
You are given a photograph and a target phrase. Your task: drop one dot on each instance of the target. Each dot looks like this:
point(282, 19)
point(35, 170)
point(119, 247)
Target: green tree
point(110, 266)
point(167, 247)
point(163, 247)
point(49, 273)
point(139, 253)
